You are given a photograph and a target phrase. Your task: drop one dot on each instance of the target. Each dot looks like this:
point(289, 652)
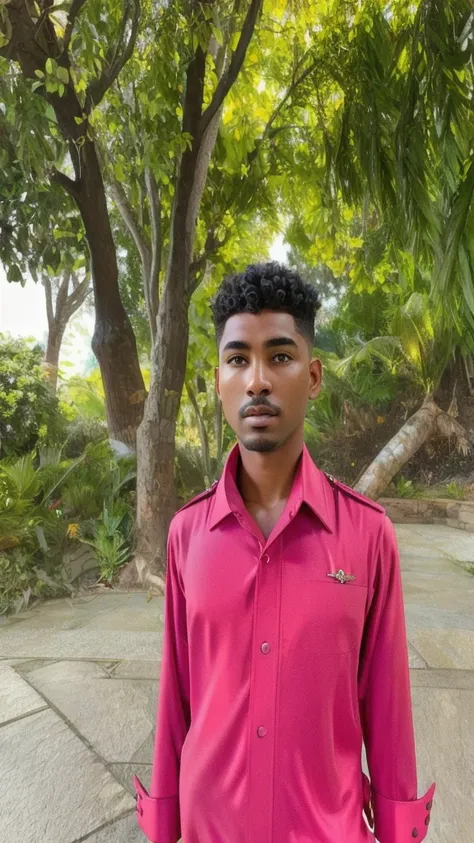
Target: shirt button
point(261, 731)
point(414, 832)
point(265, 648)
point(265, 557)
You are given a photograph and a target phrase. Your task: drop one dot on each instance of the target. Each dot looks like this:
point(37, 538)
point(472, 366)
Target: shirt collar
point(310, 485)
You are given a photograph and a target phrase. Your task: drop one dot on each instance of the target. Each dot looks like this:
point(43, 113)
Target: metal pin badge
point(341, 576)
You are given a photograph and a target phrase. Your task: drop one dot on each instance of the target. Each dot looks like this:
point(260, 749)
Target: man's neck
point(264, 479)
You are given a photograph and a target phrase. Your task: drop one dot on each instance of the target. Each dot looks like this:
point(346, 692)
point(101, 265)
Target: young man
point(284, 643)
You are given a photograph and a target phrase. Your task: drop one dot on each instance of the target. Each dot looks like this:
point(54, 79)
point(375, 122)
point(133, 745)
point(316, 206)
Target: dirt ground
point(437, 462)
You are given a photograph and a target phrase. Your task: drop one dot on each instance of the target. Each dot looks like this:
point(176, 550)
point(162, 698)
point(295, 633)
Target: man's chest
point(230, 578)
point(266, 520)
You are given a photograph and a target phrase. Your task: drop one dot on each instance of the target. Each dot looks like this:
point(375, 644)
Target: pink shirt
point(274, 671)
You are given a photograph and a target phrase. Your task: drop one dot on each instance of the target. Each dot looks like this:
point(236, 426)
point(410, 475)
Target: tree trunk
point(113, 342)
point(53, 348)
point(156, 489)
point(205, 452)
point(416, 430)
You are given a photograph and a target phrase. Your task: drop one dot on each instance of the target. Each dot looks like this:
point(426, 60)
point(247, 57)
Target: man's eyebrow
point(240, 345)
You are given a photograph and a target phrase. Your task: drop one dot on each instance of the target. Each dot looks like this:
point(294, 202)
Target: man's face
point(282, 376)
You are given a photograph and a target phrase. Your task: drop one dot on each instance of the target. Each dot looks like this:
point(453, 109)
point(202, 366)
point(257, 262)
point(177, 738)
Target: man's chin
point(260, 442)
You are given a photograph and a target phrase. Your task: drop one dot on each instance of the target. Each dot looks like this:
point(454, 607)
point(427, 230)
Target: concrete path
point(79, 683)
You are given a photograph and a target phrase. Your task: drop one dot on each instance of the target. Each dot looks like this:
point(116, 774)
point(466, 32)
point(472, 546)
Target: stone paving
point(78, 690)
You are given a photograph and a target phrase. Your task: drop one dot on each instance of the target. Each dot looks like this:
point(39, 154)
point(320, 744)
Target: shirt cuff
point(401, 822)
point(158, 818)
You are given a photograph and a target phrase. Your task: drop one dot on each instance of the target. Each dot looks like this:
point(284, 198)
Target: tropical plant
point(110, 539)
point(33, 532)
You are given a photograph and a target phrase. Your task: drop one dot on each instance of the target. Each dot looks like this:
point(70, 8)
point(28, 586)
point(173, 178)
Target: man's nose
point(259, 380)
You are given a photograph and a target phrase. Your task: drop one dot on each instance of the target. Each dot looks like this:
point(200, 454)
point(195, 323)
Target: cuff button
point(428, 805)
point(414, 832)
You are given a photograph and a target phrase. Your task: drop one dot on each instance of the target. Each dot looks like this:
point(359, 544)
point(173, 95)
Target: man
point(284, 642)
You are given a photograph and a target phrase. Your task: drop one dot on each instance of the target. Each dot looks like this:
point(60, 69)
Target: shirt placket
point(263, 693)
point(263, 707)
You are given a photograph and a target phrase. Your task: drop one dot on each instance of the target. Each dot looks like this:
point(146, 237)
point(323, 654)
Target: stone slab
point(432, 617)
point(444, 733)
point(125, 830)
point(136, 670)
point(16, 697)
point(115, 716)
point(85, 643)
point(69, 613)
point(415, 661)
point(462, 680)
point(145, 618)
point(54, 789)
point(445, 648)
point(125, 772)
point(455, 544)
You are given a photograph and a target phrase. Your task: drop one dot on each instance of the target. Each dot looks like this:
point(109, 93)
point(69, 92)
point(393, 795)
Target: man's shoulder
point(358, 496)
point(201, 496)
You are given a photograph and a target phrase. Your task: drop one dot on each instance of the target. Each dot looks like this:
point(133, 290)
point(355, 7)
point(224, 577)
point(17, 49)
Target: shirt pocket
point(335, 614)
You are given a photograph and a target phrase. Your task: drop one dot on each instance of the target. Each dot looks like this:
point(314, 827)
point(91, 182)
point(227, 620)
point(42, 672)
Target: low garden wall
point(459, 514)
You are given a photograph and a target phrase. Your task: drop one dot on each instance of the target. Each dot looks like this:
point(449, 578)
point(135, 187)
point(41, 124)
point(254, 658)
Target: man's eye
point(239, 356)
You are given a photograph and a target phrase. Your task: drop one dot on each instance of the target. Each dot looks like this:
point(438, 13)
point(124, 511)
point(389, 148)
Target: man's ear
point(316, 377)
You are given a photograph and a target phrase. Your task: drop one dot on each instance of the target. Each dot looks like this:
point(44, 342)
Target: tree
point(390, 143)
point(44, 239)
point(70, 293)
point(58, 67)
point(184, 149)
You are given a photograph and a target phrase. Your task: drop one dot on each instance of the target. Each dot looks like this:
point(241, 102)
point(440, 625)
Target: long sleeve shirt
point(281, 657)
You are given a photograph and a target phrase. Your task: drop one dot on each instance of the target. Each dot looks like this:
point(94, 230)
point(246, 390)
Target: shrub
point(29, 410)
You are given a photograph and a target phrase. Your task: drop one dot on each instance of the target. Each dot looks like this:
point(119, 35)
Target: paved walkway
point(79, 683)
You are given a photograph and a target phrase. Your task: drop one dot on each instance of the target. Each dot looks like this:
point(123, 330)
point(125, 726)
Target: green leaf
point(63, 74)
point(118, 172)
point(14, 273)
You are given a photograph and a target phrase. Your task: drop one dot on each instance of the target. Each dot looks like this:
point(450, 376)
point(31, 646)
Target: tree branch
point(117, 56)
point(155, 223)
point(49, 299)
point(70, 185)
point(228, 78)
point(62, 294)
point(198, 266)
point(76, 7)
point(77, 297)
point(291, 90)
point(126, 211)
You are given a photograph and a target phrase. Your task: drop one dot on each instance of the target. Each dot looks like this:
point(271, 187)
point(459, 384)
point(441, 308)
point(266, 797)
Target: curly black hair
point(267, 286)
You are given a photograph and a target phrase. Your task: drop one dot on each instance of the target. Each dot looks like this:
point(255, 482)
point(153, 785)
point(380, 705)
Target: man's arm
point(385, 706)
point(158, 812)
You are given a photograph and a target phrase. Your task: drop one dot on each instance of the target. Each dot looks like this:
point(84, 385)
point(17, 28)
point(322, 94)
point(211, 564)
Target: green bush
point(82, 432)
point(29, 410)
point(44, 508)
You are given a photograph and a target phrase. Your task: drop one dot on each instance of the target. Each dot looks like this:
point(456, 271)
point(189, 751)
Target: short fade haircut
point(267, 286)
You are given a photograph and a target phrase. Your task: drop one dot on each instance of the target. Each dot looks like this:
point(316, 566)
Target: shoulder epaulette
point(199, 497)
point(357, 495)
